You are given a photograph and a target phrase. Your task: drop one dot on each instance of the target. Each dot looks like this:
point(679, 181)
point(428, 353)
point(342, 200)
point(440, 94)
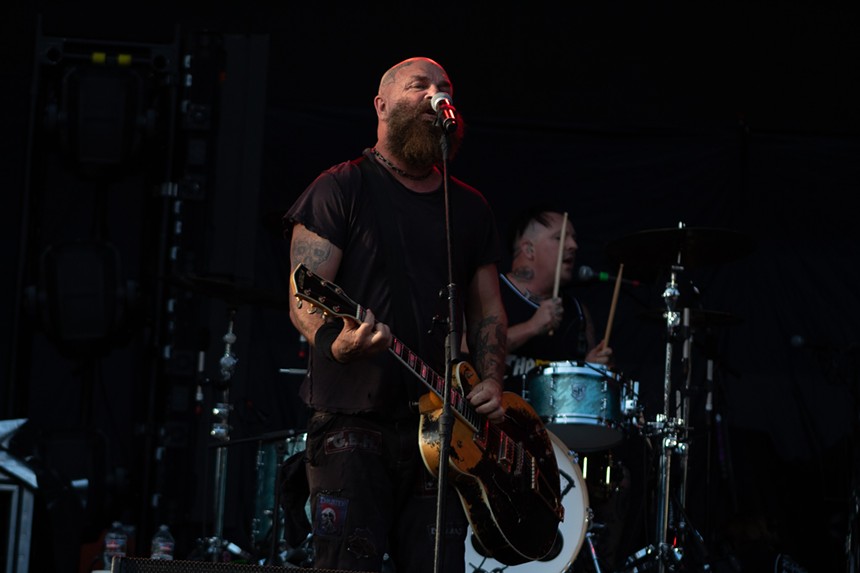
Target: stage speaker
point(142, 565)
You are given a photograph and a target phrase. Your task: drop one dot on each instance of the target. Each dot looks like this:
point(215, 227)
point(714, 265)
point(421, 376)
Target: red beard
point(415, 140)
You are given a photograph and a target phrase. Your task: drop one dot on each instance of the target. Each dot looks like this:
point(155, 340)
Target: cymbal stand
point(683, 409)
point(671, 294)
point(667, 427)
point(673, 434)
point(221, 432)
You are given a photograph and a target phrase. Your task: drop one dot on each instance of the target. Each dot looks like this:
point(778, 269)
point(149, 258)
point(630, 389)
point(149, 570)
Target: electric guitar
point(505, 474)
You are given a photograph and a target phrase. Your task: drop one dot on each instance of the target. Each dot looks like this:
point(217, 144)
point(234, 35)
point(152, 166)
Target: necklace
point(399, 171)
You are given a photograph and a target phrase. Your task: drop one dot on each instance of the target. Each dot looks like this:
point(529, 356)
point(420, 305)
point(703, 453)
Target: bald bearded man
point(375, 225)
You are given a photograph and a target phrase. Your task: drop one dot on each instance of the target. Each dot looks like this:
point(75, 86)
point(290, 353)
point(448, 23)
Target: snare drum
point(270, 456)
point(571, 531)
point(580, 402)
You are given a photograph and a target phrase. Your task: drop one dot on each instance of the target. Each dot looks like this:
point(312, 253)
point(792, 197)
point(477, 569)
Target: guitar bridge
point(512, 456)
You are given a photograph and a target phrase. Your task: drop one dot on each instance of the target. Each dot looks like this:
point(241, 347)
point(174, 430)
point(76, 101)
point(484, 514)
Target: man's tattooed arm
point(321, 257)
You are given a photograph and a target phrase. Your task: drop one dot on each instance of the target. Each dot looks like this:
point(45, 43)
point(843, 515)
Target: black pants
point(371, 495)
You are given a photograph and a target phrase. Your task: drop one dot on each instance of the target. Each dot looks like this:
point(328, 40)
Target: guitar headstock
point(322, 294)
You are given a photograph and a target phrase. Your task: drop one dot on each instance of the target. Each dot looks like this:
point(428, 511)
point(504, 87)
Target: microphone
point(446, 115)
point(586, 274)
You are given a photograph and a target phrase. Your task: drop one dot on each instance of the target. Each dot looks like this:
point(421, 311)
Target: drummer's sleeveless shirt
point(568, 342)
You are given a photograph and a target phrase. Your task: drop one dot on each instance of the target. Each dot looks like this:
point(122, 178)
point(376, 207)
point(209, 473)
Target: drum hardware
point(677, 249)
point(670, 431)
point(233, 292)
point(293, 371)
point(698, 317)
point(592, 551)
point(214, 546)
point(267, 525)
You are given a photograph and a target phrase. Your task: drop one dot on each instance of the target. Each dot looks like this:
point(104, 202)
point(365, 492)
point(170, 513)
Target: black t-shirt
point(567, 342)
point(341, 207)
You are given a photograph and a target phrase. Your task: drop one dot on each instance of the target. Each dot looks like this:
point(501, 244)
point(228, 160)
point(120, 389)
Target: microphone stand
point(452, 345)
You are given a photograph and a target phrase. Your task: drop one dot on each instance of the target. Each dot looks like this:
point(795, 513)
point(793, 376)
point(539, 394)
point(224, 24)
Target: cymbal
point(687, 246)
point(231, 291)
point(697, 317)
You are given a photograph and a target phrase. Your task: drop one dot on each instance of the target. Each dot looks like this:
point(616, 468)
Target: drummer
point(543, 327)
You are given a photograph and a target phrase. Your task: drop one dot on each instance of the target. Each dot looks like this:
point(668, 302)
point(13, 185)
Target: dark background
point(140, 208)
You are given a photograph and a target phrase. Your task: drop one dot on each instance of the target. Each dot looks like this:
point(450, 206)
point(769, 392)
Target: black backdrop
point(740, 116)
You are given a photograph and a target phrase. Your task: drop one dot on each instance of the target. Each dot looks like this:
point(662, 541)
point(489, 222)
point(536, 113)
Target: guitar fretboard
point(435, 383)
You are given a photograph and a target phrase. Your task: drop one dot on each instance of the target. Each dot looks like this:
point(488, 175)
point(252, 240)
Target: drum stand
point(592, 551)
point(216, 545)
point(668, 428)
point(672, 434)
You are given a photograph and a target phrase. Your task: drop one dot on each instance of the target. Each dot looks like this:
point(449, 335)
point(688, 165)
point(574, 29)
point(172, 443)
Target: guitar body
point(506, 474)
point(507, 477)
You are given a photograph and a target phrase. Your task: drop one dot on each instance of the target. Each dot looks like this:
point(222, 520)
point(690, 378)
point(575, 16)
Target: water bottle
point(162, 544)
point(116, 543)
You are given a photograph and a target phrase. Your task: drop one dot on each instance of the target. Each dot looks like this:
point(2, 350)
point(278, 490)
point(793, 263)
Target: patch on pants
point(351, 439)
point(330, 516)
point(360, 544)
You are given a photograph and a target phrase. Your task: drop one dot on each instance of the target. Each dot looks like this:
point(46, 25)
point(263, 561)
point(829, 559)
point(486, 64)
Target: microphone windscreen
point(585, 273)
point(438, 97)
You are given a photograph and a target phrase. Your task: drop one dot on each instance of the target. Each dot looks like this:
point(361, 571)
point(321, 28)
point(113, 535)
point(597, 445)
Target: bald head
point(416, 65)
point(407, 125)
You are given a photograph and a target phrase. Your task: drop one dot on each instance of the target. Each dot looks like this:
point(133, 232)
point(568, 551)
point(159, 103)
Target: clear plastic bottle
point(116, 543)
point(162, 544)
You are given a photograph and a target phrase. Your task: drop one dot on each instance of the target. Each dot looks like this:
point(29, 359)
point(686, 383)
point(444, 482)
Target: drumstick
point(612, 306)
point(558, 261)
point(560, 256)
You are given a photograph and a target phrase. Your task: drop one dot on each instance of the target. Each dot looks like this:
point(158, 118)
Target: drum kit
point(588, 410)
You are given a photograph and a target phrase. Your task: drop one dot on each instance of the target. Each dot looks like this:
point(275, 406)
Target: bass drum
point(571, 531)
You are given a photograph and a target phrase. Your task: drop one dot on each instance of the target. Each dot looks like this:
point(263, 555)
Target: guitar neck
point(436, 383)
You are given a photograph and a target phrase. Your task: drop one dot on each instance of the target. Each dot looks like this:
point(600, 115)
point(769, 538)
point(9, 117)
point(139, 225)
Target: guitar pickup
point(506, 452)
point(512, 456)
point(481, 437)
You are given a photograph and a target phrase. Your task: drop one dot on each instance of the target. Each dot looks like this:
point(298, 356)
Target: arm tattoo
point(312, 253)
point(489, 351)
